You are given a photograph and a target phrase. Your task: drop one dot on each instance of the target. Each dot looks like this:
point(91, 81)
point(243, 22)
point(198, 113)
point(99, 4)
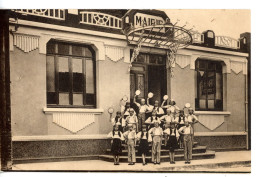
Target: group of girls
point(150, 124)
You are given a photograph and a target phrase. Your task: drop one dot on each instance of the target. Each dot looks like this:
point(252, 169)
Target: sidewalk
point(231, 161)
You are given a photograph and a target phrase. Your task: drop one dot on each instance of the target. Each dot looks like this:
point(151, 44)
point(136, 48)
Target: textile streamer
point(211, 121)
point(73, 122)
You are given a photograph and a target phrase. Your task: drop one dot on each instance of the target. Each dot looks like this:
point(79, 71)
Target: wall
point(114, 83)
point(28, 92)
point(182, 86)
point(236, 101)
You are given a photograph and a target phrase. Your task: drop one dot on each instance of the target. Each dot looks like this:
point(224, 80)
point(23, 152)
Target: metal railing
point(101, 19)
point(58, 14)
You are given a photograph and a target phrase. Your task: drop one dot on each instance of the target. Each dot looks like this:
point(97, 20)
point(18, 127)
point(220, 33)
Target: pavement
point(231, 161)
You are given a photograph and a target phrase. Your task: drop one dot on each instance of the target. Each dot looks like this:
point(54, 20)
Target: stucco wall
point(28, 92)
point(183, 86)
point(236, 101)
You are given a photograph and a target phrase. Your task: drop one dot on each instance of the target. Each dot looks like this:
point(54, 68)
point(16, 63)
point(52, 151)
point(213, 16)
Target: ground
point(231, 161)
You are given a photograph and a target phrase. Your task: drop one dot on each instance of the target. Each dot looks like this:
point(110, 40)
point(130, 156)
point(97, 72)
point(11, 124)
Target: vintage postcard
point(126, 90)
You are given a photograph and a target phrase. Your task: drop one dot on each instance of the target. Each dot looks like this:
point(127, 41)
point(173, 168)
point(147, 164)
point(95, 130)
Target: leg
point(153, 151)
point(165, 139)
point(159, 151)
point(170, 154)
point(185, 149)
point(173, 157)
point(129, 153)
point(143, 157)
point(118, 159)
point(114, 159)
point(189, 151)
point(133, 153)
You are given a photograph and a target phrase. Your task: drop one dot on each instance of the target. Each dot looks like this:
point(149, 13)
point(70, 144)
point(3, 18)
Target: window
point(70, 75)
point(209, 86)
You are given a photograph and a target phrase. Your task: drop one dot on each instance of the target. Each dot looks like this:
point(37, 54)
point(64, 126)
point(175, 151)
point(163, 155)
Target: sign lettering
point(142, 20)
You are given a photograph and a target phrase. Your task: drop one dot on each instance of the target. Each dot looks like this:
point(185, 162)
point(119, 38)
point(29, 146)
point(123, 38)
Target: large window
point(209, 85)
point(70, 75)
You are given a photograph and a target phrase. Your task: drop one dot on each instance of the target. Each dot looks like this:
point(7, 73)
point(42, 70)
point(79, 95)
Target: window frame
point(70, 57)
point(207, 70)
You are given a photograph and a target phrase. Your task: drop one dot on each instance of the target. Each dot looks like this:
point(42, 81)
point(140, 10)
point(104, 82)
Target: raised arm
point(194, 119)
point(148, 102)
point(162, 105)
point(135, 99)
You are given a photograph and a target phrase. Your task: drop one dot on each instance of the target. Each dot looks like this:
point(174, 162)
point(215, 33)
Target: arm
point(195, 119)
point(167, 131)
point(110, 117)
point(180, 131)
point(135, 100)
point(162, 118)
point(148, 121)
point(148, 102)
point(109, 135)
point(163, 104)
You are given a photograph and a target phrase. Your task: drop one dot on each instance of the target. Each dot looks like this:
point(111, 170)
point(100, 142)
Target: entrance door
point(148, 74)
point(157, 82)
point(138, 81)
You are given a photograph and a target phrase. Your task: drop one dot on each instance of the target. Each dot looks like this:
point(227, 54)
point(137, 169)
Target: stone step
point(164, 158)
point(195, 144)
point(196, 150)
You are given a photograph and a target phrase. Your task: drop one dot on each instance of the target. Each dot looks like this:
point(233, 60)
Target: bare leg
point(118, 159)
point(114, 159)
point(170, 154)
point(143, 156)
point(165, 139)
point(173, 156)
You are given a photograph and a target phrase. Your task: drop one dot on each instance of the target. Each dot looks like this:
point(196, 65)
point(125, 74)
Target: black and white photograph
point(125, 90)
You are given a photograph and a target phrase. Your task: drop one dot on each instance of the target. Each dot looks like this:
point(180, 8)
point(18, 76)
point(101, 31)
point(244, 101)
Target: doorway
point(148, 74)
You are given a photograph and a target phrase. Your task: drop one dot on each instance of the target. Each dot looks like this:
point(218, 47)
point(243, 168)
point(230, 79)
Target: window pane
point(141, 58)
point(202, 64)
point(77, 65)
point(64, 79)
point(50, 71)
point(63, 64)
point(90, 99)
point(78, 78)
point(137, 68)
point(88, 53)
point(211, 84)
point(132, 85)
point(77, 99)
point(202, 82)
point(90, 87)
point(77, 50)
point(50, 48)
point(202, 104)
point(211, 65)
point(63, 49)
point(218, 86)
point(51, 98)
point(152, 59)
point(64, 98)
point(160, 60)
point(140, 86)
point(211, 104)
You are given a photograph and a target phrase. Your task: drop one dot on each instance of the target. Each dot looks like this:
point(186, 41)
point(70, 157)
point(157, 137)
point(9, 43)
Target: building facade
point(68, 67)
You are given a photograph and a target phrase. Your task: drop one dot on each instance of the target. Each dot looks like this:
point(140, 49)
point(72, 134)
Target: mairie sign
point(141, 20)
